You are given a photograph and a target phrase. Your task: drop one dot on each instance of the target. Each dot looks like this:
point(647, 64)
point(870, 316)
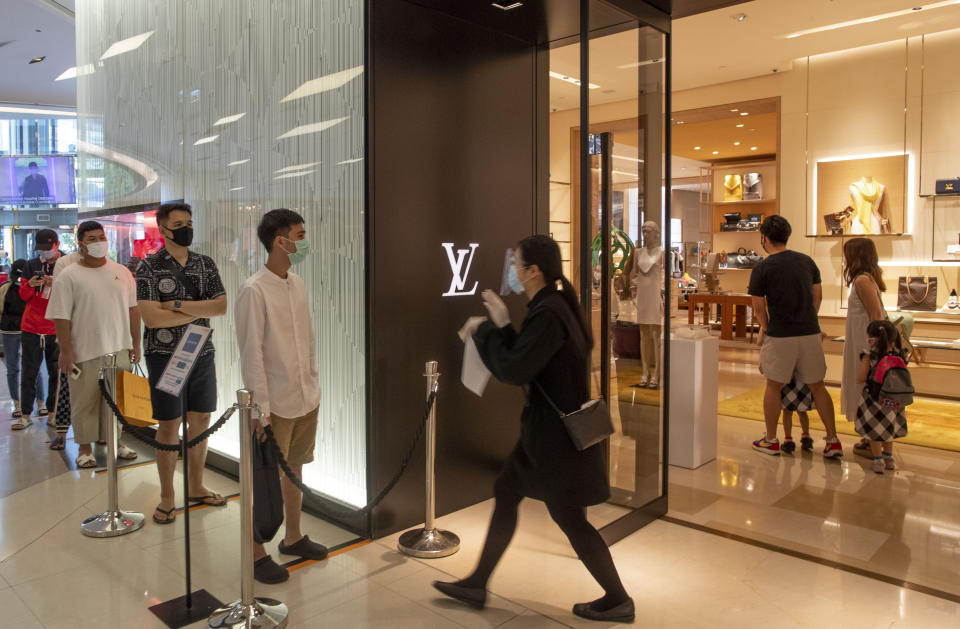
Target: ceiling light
point(324, 83)
point(238, 162)
point(206, 140)
point(739, 17)
point(42, 112)
point(753, 148)
point(229, 119)
point(36, 60)
point(873, 18)
point(126, 45)
point(74, 72)
point(297, 167)
point(638, 64)
point(696, 148)
point(744, 113)
point(716, 152)
point(681, 122)
point(570, 79)
point(314, 127)
point(734, 110)
point(297, 174)
point(506, 5)
point(740, 126)
point(736, 144)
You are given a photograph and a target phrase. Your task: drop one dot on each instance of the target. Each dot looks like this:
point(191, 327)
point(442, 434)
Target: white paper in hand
point(475, 374)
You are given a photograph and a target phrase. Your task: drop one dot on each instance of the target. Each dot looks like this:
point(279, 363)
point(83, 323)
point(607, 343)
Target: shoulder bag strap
point(550, 400)
point(174, 268)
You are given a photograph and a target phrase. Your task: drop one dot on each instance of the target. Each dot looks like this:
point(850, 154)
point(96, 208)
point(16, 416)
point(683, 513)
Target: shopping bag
point(267, 499)
point(133, 398)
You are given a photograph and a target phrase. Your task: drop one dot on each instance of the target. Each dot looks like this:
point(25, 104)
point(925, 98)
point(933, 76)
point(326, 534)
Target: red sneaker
point(767, 447)
point(834, 449)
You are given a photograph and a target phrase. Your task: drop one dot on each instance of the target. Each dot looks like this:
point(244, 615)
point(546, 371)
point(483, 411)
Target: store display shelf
point(739, 231)
point(750, 202)
point(897, 235)
point(939, 196)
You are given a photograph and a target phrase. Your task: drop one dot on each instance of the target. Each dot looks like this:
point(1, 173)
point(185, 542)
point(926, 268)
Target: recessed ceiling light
point(753, 148)
point(736, 144)
point(36, 60)
point(734, 110)
point(716, 152)
point(506, 5)
point(696, 148)
point(740, 126)
point(744, 113)
point(680, 122)
point(570, 79)
point(739, 17)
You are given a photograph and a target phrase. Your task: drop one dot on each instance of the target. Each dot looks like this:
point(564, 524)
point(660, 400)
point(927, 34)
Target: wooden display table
point(730, 303)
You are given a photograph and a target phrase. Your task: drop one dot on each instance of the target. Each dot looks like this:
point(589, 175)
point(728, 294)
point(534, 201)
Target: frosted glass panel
point(239, 107)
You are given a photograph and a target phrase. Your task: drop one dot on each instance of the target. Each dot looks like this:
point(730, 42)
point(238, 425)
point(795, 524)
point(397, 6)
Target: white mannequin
point(866, 194)
point(647, 282)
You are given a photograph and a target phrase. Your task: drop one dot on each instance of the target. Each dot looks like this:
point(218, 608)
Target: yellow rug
point(930, 423)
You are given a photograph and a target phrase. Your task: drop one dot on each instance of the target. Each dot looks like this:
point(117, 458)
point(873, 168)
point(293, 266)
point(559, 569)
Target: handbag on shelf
point(743, 259)
point(838, 223)
point(752, 187)
point(588, 425)
point(918, 294)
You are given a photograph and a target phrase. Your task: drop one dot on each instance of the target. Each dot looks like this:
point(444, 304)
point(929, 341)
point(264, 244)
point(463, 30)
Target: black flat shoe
point(624, 612)
point(266, 570)
point(305, 548)
point(474, 597)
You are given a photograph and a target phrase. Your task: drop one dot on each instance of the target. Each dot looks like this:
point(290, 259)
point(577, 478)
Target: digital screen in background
point(37, 180)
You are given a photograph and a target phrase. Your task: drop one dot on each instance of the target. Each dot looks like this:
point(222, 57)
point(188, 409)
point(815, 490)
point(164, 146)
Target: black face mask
point(183, 236)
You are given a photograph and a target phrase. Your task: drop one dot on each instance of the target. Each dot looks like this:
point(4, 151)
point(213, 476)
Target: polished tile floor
point(51, 576)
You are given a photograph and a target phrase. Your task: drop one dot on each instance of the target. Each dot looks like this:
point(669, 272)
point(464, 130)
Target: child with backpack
point(795, 396)
point(887, 391)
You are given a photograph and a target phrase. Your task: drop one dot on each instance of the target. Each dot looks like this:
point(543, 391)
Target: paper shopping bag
point(133, 398)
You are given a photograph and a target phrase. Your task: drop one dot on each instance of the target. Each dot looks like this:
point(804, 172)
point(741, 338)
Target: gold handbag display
point(918, 294)
point(732, 188)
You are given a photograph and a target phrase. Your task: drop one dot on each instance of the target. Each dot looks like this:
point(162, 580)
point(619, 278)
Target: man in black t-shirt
point(177, 287)
point(787, 292)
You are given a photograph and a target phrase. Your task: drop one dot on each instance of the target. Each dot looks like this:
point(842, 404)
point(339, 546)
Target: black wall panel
point(452, 158)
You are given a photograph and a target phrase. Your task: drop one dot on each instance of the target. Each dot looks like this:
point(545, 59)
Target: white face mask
point(97, 250)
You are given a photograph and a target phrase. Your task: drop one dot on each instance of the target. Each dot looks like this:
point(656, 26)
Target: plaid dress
point(796, 396)
point(876, 422)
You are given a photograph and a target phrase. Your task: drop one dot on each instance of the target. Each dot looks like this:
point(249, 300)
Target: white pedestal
point(694, 364)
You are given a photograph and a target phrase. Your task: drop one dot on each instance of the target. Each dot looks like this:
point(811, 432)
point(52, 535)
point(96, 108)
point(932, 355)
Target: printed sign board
point(183, 359)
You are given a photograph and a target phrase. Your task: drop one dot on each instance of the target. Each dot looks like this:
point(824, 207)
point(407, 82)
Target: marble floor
point(906, 524)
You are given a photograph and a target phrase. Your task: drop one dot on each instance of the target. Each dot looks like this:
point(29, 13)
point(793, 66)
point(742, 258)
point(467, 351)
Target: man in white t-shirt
point(279, 366)
point(95, 313)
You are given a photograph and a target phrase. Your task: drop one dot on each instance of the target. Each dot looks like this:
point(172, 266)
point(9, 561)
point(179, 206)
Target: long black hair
point(545, 253)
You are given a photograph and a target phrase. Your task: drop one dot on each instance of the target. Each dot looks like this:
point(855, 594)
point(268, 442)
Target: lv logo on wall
point(460, 274)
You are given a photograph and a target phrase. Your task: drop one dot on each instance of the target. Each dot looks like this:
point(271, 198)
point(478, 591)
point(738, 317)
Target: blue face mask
point(515, 284)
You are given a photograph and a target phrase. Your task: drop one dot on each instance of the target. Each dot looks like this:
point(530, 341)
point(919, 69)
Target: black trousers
point(34, 349)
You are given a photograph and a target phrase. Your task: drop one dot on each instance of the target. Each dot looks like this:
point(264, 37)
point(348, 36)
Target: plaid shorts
point(796, 396)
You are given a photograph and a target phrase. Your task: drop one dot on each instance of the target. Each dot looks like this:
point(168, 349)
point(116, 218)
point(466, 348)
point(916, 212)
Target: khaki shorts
point(85, 399)
point(296, 437)
point(782, 357)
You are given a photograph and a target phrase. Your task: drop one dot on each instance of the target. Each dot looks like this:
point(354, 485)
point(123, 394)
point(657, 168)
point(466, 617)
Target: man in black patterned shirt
point(177, 287)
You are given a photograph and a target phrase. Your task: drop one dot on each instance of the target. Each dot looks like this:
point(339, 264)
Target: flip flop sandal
point(169, 515)
point(21, 423)
point(16, 414)
point(85, 461)
point(125, 453)
point(58, 443)
point(211, 500)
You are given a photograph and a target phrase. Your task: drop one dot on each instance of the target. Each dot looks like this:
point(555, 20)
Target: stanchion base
point(175, 613)
point(429, 544)
point(112, 524)
point(265, 613)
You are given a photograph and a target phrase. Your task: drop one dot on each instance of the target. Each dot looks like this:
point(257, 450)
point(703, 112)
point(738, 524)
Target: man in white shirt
point(279, 366)
point(94, 310)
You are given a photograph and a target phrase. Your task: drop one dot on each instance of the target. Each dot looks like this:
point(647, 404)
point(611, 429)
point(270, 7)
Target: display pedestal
point(694, 364)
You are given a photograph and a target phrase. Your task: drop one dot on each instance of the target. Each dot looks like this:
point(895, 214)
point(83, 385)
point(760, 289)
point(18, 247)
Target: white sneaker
point(878, 466)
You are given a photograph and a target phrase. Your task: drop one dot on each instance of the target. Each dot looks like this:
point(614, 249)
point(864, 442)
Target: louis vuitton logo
point(459, 281)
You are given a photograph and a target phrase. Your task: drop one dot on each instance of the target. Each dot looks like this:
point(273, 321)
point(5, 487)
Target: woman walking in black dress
point(549, 354)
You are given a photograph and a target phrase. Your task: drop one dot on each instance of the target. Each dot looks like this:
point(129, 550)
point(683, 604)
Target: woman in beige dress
point(862, 275)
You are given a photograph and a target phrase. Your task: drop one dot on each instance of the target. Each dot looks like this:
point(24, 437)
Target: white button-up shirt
point(277, 344)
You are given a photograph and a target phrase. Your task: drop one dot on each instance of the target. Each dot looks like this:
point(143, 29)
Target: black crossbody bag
point(588, 425)
point(186, 281)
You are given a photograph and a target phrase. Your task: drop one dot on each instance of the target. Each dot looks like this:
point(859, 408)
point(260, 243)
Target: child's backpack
point(890, 383)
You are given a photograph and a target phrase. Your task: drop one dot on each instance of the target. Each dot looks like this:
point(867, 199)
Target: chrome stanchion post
point(113, 521)
point(249, 612)
point(430, 542)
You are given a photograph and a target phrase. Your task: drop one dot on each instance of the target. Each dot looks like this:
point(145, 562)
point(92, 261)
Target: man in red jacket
point(38, 340)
